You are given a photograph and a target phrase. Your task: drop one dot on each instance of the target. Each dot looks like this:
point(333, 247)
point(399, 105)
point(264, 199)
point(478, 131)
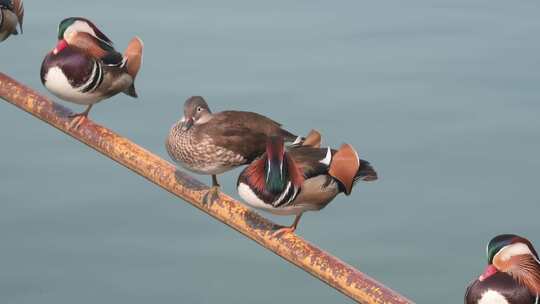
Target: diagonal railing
point(290, 247)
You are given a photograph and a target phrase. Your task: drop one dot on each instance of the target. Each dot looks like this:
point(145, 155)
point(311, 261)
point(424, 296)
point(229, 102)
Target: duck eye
point(199, 109)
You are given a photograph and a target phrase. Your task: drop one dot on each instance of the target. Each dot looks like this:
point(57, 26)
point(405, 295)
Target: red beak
point(62, 44)
point(490, 270)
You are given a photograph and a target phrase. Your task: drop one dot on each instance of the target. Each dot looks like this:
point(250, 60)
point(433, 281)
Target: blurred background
point(441, 97)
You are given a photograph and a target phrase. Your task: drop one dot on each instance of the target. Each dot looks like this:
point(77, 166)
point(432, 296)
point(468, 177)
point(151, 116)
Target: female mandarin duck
point(11, 15)
point(212, 143)
point(301, 178)
point(512, 275)
point(84, 68)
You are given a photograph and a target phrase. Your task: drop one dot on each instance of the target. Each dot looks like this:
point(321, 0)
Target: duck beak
point(490, 270)
point(187, 123)
point(62, 44)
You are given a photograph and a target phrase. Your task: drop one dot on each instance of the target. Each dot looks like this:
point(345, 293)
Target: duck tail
point(133, 56)
point(131, 91)
point(366, 172)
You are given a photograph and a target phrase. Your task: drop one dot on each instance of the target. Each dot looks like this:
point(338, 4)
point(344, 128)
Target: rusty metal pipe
point(290, 247)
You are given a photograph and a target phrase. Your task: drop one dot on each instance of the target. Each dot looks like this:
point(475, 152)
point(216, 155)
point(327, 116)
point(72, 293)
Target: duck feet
point(281, 231)
point(79, 118)
point(211, 196)
point(77, 121)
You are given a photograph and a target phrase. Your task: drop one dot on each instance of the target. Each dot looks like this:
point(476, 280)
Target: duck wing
point(96, 48)
point(244, 133)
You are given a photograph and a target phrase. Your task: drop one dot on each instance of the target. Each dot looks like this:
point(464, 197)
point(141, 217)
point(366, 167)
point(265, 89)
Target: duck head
point(515, 256)
point(196, 111)
point(70, 27)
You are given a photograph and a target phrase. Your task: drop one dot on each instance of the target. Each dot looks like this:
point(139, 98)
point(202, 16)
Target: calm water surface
point(442, 97)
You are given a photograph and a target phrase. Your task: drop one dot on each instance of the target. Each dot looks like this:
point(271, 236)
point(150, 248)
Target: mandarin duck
point(84, 68)
point(300, 178)
point(11, 15)
point(213, 143)
point(512, 275)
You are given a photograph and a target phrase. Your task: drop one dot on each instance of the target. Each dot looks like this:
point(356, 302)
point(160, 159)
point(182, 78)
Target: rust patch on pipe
point(292, 248)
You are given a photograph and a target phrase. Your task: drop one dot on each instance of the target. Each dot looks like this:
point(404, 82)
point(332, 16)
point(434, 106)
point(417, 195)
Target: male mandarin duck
point(512, 275)
point(11, 15)
point(212, 143)
point(84, 68)
point(300, 178)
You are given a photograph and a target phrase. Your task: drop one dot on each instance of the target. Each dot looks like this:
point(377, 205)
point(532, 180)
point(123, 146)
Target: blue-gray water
point(441, 96)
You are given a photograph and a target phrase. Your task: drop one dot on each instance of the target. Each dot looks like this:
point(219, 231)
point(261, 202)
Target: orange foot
point(281, 231)
point(76, 122)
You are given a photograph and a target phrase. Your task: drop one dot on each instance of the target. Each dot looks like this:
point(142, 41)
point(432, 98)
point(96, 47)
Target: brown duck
point(293, 180)
point(212, 143)
point(11, 15)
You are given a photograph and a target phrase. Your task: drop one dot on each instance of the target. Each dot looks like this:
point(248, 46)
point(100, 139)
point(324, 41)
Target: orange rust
point(291, 247)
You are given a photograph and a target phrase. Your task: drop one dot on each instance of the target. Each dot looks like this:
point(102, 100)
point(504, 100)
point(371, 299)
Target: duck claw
point(76, 122)
point(281, 231)
point(211, 197)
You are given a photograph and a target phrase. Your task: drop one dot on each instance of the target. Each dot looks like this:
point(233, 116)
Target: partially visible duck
point(512, 275)
point(85, 69)
point(11, 15)
point(213, 143)
point(293, 180)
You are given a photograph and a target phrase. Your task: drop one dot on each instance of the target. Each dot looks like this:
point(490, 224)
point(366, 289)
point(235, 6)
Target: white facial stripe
point(509, 251)
point(328, 158)
point(203, 119)
point(79, 26)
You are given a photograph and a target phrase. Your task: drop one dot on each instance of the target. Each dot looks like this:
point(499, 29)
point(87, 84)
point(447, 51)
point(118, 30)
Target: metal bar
point(290, 247)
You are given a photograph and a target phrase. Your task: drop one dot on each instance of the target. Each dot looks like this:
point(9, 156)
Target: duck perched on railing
point(84, 68)
point(213, 143)
point(293, 180)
